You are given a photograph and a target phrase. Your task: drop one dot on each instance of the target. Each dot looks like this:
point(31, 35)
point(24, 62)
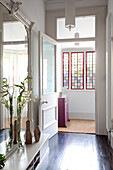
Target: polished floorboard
point(71, 151)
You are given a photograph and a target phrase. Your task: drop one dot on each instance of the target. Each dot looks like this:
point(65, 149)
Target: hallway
point(69, 151)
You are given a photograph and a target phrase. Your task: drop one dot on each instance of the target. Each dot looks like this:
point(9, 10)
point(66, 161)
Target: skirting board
point(86, 116)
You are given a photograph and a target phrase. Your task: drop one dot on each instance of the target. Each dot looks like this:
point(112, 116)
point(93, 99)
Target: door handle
point(44, 102)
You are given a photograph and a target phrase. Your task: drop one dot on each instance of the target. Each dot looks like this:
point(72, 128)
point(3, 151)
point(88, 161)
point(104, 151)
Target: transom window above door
point(85, 28)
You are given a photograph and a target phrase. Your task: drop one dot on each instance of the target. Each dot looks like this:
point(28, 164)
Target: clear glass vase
point(8, 130)
point(19, 112)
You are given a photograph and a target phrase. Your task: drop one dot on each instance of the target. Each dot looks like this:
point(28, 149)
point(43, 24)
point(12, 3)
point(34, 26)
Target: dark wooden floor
point(69, 151)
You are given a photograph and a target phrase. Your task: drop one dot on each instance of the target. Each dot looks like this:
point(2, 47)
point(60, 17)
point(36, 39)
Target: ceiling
point(58, 1)
point(59, 4)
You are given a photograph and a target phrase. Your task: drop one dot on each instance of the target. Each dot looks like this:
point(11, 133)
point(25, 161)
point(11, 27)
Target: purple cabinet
point(63, 115)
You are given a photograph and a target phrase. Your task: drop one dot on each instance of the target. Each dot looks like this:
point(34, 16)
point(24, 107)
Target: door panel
point(48, 111)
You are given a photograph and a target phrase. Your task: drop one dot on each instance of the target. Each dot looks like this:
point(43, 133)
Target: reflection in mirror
point(14, 64)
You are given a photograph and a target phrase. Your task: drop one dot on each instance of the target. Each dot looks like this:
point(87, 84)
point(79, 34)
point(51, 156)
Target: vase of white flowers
point(23, 98)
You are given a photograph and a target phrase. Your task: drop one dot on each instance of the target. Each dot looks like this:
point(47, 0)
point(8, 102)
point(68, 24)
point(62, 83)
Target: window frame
point(86, 69)
point(68, 68)
point(73, 38)
point(77, 72)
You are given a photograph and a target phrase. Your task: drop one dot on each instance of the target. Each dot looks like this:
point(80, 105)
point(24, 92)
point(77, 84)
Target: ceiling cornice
point(60, 4)
point(54, 1)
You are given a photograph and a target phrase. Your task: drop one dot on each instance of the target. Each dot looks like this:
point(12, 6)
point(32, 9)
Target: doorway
point(78, 74)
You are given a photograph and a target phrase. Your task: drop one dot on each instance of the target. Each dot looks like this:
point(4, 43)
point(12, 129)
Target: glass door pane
point(48, 64)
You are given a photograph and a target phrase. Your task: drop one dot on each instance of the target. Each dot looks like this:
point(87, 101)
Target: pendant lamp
point(69, 14)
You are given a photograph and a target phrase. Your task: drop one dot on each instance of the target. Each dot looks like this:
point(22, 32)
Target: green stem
point(11, 120)
point(19, 120)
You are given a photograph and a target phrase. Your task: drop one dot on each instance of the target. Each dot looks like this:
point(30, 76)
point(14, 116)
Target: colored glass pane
point(78, 69)
point(90, 70)
point(66, 70)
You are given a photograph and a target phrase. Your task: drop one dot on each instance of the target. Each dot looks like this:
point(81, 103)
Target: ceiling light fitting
point(76, 37)
point(69, 14)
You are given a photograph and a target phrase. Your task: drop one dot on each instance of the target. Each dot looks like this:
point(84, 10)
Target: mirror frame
point(14, 10)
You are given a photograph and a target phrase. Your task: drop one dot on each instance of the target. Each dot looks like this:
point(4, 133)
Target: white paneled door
point(48, 112)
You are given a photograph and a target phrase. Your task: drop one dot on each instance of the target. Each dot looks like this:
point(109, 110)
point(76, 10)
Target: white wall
point(35, 11)
point(81, 104)
point(100, 98)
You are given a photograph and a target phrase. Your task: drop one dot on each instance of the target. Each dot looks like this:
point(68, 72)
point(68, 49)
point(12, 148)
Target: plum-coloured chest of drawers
point(63, 114)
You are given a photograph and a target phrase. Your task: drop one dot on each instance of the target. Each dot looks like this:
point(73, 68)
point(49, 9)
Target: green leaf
point(29, 78)
point(18, 86)
point(4, 91)
point(3, 82)
point(6, 85)
point(22, 83)
point(5, 95)
point(27, 81)
point(2, 160)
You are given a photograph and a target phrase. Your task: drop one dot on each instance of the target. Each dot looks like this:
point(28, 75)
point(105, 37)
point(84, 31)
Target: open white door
point(48, 112)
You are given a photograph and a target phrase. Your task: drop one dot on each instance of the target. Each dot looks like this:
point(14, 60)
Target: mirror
point(14, 67)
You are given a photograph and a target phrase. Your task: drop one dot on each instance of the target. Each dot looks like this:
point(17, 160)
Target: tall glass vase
point(11, 121)
point(19, 110)
point(9, 124)
point(7, 130)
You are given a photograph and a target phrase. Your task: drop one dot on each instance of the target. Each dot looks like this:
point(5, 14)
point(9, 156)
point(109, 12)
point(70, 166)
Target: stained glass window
point(66, 70)
point(90, 70)
point(77, 70)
